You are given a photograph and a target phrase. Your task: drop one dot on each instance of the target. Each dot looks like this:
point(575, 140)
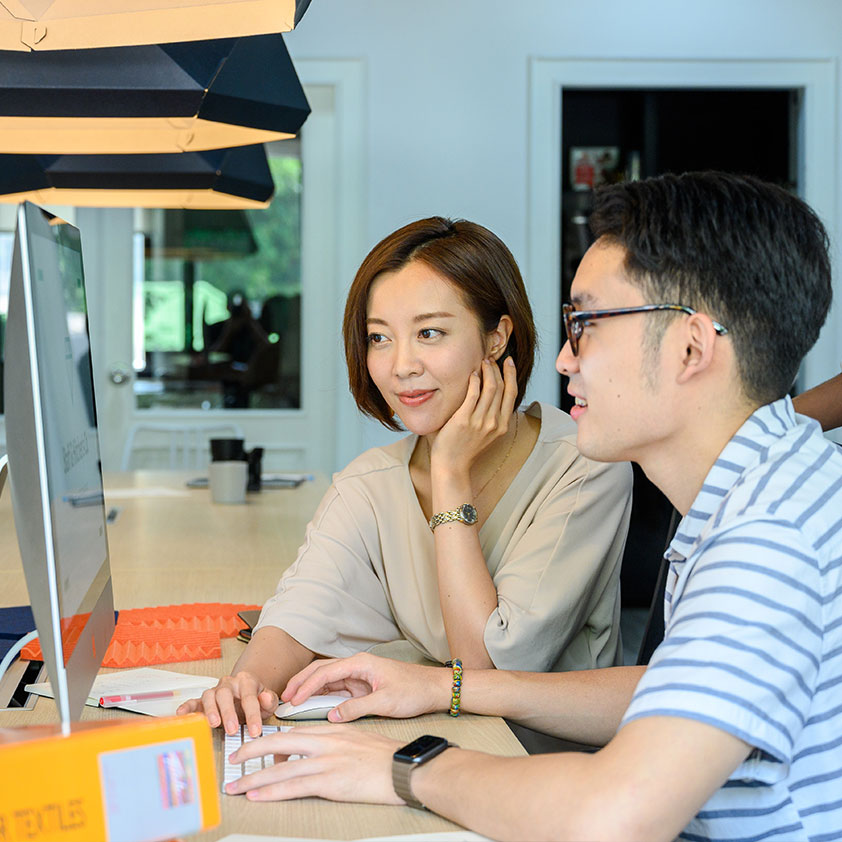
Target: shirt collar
point(748, 446)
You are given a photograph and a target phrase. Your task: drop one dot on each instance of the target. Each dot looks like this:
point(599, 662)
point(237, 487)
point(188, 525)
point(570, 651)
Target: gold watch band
point(465, 513)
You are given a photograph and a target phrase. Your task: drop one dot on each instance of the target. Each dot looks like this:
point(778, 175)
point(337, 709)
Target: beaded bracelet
point(456, 690)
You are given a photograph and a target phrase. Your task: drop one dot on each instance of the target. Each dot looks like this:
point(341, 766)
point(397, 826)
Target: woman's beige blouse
point(366, 573)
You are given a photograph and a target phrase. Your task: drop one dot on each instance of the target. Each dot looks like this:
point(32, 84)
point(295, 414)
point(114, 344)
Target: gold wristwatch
point(465, 513)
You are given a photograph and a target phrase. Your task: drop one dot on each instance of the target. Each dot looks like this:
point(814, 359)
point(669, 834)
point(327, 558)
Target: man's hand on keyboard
point(338, 762)
point(235, 771)
point(237, 698)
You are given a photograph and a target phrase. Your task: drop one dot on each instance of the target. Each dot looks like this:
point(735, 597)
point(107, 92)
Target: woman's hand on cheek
point(483, 418)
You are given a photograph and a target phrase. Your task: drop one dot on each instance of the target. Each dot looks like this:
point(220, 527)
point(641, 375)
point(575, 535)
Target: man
point(732, 731)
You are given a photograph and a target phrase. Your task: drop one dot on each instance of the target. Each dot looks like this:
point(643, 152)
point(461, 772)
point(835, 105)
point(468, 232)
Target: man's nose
point(566, 362)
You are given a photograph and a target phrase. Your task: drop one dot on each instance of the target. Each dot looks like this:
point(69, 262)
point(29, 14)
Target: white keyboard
point(235, 771)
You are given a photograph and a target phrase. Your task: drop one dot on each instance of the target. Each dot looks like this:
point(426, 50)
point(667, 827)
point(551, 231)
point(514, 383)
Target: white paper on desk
point(289, 477)
point(126, 493)
point(444, 836)
point(140, 680)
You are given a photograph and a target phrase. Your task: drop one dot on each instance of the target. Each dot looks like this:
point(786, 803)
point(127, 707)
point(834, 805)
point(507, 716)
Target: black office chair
point(653, 633)
point(652, 526)
point(649, 532)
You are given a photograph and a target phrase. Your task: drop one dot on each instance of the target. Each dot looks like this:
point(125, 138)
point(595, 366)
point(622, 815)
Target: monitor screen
point(53, 450)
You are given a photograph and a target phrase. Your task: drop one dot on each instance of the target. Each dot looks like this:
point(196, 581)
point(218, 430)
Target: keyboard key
point(235, 771)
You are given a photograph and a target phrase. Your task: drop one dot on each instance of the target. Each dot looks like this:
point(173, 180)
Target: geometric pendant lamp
point(80, 24)
point(189, 96)
point(187, 234)
point(215, 179)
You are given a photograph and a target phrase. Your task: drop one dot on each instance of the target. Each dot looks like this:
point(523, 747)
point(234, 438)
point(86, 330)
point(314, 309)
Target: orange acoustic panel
point(160, 635)
point(220, 617)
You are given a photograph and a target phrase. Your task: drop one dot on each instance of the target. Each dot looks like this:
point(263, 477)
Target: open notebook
point(142, 680)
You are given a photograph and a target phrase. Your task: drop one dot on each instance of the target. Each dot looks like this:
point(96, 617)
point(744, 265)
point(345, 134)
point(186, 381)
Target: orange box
point(115, 780)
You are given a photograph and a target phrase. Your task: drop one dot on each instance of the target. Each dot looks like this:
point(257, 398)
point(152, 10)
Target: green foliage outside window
point(195, 260)
point(163, 328)
point(275, 269)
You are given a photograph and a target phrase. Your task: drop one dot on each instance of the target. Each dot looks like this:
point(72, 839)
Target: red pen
point(116, 701)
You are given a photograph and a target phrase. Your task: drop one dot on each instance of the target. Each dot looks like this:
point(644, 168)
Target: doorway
point(611, 135)
point(811, 165)
point(813, 149)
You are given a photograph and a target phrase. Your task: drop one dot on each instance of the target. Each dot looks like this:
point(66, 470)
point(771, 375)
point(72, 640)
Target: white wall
point(447, 93)
point(445, 110)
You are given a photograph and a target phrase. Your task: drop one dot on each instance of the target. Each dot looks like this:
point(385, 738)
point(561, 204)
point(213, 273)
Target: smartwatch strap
point(402, 774)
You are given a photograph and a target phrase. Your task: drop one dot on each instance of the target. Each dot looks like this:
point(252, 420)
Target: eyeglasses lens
point(571, 329)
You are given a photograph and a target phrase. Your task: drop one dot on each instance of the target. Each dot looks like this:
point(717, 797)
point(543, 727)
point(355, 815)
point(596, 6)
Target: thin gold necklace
point(503, 462)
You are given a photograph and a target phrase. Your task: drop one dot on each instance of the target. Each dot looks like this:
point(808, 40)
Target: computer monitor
point(53, 448)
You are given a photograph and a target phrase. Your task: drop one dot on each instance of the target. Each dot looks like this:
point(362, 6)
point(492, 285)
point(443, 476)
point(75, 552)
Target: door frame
point(816, 167)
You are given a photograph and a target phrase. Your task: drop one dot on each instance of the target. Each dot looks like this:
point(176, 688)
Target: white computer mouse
point(316, 707)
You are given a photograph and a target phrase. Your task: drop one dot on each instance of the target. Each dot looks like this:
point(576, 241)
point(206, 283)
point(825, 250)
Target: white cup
point(228, 481)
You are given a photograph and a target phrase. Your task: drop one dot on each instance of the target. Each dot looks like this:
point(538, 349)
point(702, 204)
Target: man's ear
point(498, 339)
point(699, 337)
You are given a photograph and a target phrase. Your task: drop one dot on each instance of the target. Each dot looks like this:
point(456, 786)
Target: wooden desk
point(176, 549)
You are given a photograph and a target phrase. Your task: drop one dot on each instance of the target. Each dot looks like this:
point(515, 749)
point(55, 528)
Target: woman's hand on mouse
point(241, 697)
point(378, 687)
point(484, 416)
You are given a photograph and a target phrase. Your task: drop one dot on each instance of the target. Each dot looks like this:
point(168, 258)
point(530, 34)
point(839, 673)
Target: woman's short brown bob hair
point(476, 262)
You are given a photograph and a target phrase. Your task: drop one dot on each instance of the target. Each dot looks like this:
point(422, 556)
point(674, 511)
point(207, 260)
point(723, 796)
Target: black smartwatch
point(407, 759)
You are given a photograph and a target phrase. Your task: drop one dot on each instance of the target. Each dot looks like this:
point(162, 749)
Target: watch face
point(469, 513)
point(421, 749)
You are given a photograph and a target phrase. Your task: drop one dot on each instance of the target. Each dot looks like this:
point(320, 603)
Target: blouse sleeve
point(330, 599)
point(558, 579)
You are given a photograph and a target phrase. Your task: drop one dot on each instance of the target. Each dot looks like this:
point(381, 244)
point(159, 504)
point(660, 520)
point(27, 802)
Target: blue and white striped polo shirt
point(753, 639)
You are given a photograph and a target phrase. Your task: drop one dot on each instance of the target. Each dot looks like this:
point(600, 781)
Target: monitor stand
point(12, 653)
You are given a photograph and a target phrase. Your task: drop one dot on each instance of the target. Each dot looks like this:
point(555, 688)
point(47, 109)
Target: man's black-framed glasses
point(575, 320)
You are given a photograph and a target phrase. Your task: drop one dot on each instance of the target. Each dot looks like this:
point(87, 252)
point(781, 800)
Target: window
point(217, 299)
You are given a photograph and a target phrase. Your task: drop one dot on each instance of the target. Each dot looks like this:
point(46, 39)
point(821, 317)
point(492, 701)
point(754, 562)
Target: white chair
point(187, 444)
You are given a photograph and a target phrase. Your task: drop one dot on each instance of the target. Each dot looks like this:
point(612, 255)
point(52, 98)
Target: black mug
point(255, 459)
point(227, 450)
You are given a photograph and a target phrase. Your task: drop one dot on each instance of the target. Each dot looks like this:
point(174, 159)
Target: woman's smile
point(415, 397)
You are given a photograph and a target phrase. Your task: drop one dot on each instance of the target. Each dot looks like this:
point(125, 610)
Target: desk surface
point(156, 559)
point(176, 549)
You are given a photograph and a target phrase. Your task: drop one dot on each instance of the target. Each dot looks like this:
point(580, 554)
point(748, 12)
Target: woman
point(483, 535)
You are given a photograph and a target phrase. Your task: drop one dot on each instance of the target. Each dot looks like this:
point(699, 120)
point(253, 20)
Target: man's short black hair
point(748, 253)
